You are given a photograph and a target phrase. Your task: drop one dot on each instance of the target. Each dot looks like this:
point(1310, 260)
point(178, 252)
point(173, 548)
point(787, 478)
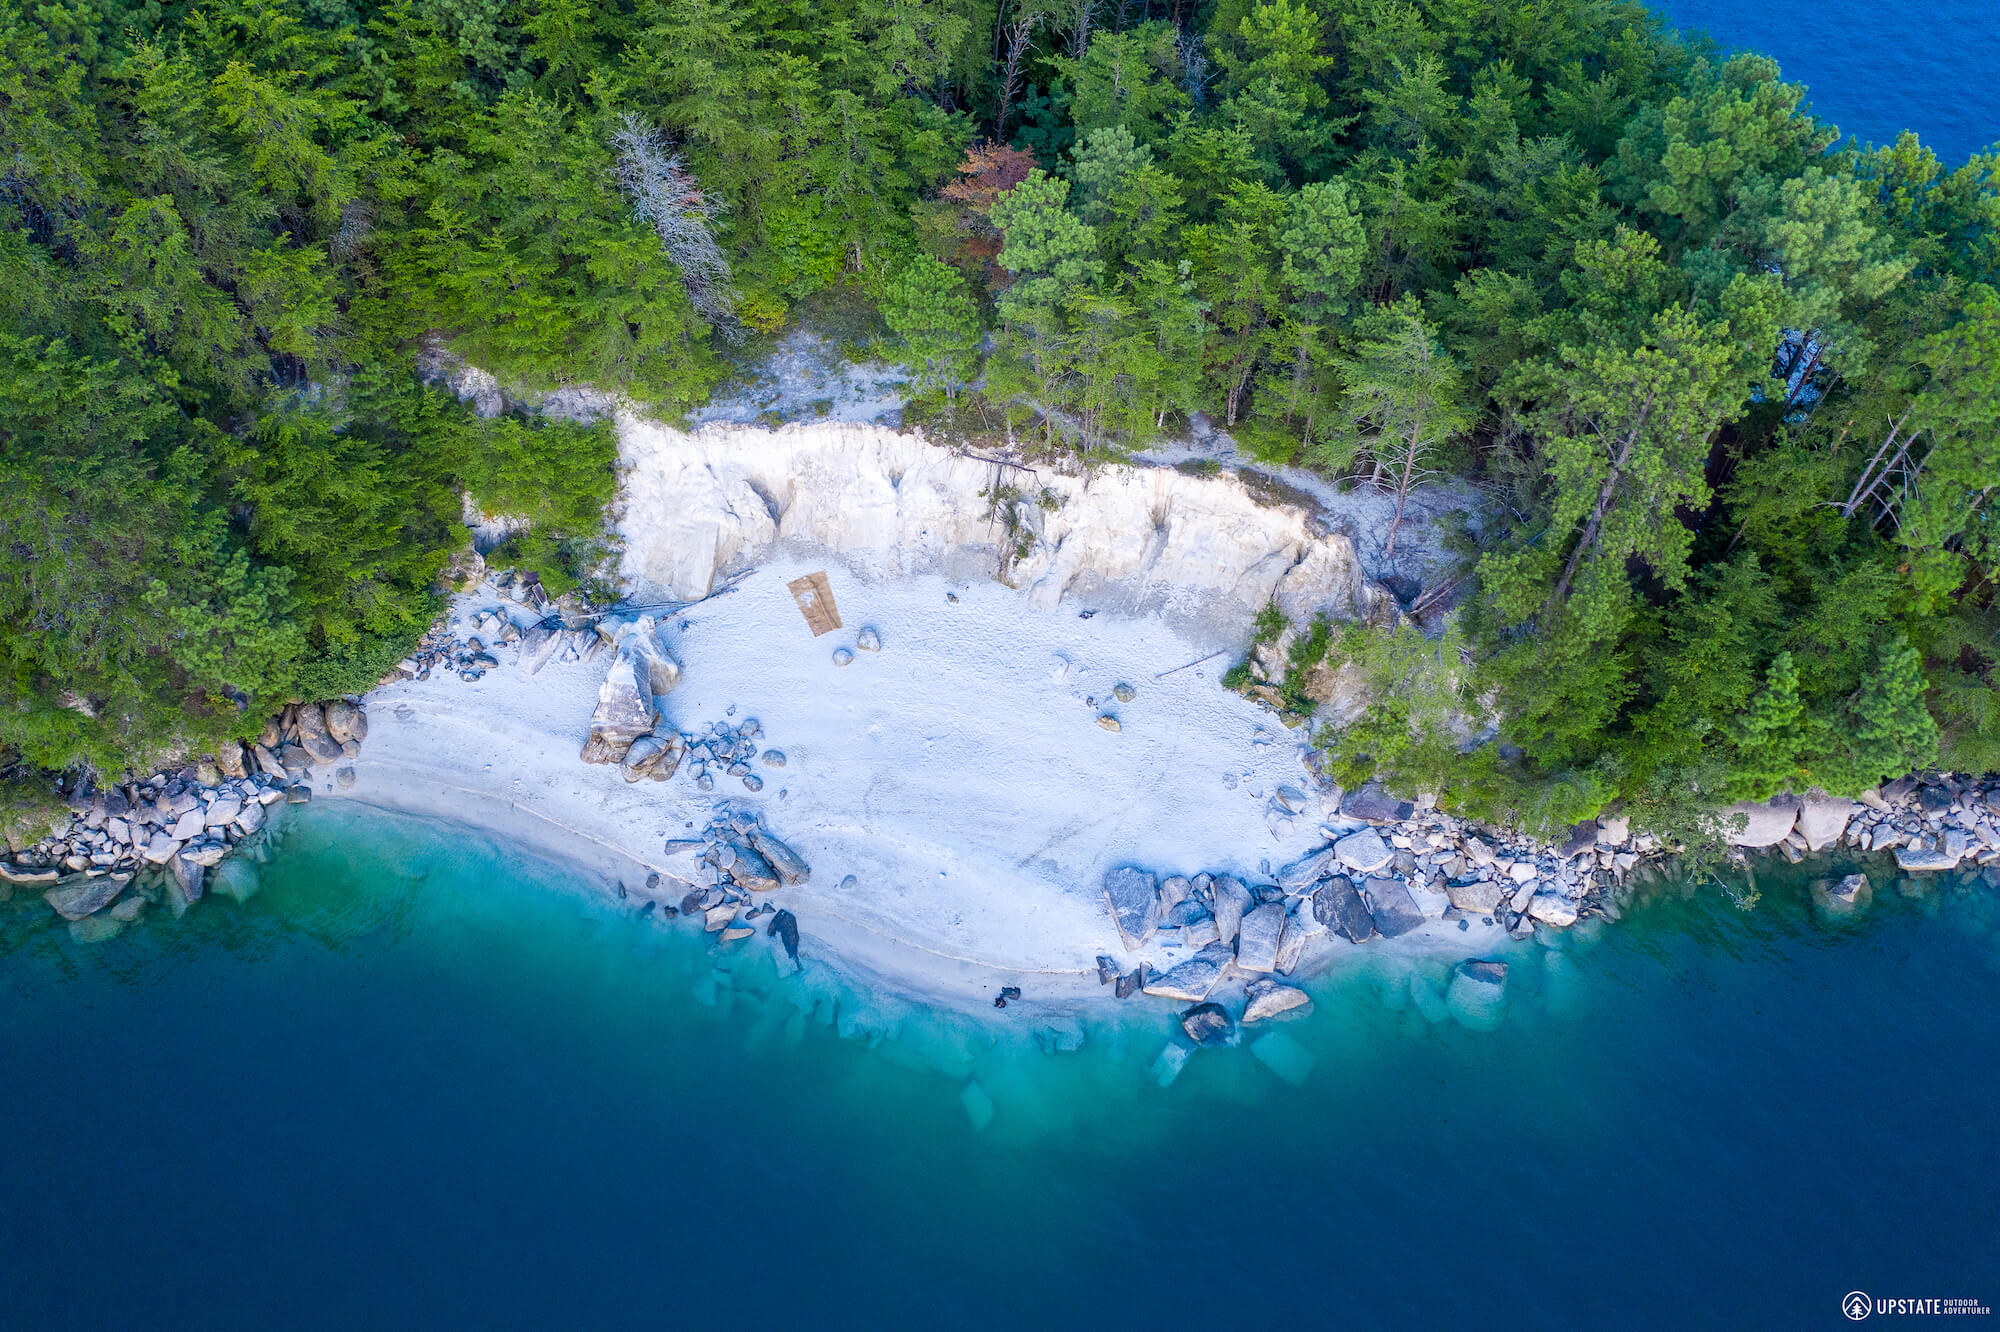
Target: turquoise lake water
point(419, 1077)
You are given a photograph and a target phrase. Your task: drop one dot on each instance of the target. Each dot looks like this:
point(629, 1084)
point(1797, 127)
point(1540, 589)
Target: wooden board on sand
point(815, 600)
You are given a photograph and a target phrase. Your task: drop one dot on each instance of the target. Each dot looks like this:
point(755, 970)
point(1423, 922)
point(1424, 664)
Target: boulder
point(1843, 897)
point(648, 754)
point(624, 713)
point(187, 825)
point(750, 869)
point(230, 761)
point(1174, 890)
point(1364, 852)
point(1192, 980)
point(658, 674)
point(1302, 874)
point(1478, 989)
point(1209, 1025)
point(1823, 818)
point(1339, 907)
point(1134, 903)
point(251, 818)
point(1299, 929)
point(1232, 899)
point(314, 736)
point(718, 917)
point(1921, 859)
point(188, 874)
point(1581, 838)
point(1613, 829)
point(294, 761)
point(1109, 722)
point(868, 640)
point(539, 643)
point(225, 810)
point(1257, 942)
point(161, 848)
point(345, 722)
point(1268, 999)
point(1552, 908)
point(1375, 805)
point(76, 900)
point(789, 865)
point(1390, 903)
point(1764, 824)
point(1476, 895)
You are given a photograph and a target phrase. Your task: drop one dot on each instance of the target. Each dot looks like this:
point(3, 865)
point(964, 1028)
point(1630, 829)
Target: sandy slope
point(959, 775)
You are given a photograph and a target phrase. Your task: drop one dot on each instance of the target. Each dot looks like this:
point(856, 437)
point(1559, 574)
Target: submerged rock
point(75, 901)
point(1209, 1025)
point(1477, 993)
point(1284, 1056)
point(1268, 999)
point(1843, 897)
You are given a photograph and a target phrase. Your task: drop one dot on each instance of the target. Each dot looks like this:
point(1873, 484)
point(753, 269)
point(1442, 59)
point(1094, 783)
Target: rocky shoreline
point(163, 840)
point(1388, 867)
point(1226, 944)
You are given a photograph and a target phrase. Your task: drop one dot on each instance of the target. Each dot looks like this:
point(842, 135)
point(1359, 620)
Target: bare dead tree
point(1079, 33)
point(1196, 72)
point(666, 196)
point(1019, 43)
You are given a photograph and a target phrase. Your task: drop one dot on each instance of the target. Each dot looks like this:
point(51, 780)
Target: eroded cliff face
point(1147, 538)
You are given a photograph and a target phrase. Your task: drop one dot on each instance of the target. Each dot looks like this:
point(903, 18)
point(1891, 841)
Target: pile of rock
point(302, 737)
point(1940, 821)
point(162, 835)
point(158, 837)
point(725, 869)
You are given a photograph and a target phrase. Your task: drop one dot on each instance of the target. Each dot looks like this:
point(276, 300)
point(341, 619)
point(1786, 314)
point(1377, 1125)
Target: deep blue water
point(417, 1079)
point(1873, 67)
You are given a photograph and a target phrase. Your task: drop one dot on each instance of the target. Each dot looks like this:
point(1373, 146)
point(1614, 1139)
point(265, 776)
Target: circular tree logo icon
point(1856, 1305)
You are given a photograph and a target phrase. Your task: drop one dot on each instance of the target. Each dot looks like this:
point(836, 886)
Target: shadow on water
point(414, 1069)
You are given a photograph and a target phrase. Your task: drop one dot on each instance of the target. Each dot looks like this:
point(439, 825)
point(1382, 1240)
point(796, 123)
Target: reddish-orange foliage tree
point(988, 171)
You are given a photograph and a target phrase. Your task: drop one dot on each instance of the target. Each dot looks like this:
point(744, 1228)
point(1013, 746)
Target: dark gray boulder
point(1209, 1025)
point(1390, 903)
point(76, 900)
point(1372, 803)
point(1336, 905)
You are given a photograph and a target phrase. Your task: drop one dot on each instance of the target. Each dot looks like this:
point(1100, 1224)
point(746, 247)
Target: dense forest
point(1732, 386)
